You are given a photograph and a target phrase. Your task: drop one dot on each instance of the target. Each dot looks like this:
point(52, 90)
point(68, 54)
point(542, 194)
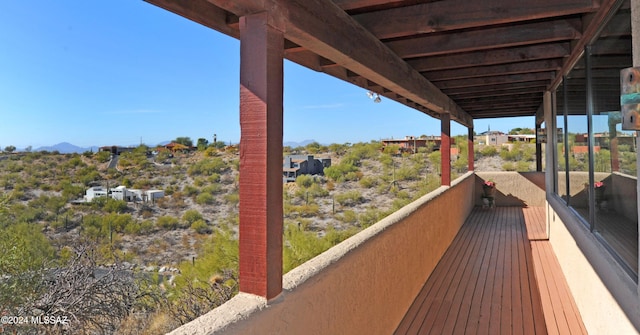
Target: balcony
point(440, 264)
point(429, 268)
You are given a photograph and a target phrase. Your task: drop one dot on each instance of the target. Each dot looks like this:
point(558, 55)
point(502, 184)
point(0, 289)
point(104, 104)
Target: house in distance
point(295, 165)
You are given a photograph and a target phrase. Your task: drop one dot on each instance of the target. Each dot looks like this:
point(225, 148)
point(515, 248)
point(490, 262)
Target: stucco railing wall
point(605, 294)
point(364, 285)
point(513, 188)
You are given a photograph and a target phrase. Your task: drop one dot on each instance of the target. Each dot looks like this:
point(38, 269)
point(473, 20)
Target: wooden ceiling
point(472, 59)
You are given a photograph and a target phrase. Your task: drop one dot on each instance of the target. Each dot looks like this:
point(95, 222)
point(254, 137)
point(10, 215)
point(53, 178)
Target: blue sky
point(122, 71)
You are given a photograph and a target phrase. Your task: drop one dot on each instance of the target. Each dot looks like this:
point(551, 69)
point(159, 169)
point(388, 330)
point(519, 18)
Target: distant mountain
point(66, 148)
point(298, 144)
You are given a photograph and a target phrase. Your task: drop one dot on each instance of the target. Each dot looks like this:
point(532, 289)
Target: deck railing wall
point(605, 294)
point(366, 283)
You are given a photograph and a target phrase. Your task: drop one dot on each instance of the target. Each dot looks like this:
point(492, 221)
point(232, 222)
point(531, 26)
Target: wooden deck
point(486, 281)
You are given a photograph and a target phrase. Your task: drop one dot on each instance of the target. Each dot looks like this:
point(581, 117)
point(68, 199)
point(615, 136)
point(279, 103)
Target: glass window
point(577, 140)
point(596, 158)
point(615, 195)
point(560, 156)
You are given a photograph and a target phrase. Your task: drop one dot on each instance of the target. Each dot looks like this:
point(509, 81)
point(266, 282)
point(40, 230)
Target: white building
point(492, 138)
point(122, 193)
point(95, 192)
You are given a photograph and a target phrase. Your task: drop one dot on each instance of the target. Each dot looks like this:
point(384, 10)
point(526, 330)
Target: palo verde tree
point(185, 140)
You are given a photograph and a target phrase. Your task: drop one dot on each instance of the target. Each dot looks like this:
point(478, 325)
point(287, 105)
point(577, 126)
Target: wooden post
point(261, 94)
point(471, 154)
point(445, 149)
point(538, 149)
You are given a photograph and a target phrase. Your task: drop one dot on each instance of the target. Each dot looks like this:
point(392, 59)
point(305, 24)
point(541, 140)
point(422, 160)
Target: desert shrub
point(348, 216)
point(368, 181)
point(190, 191)
point(207, 167)
point(214, 178)
point(212, 189)
point(205, 199)
point(339, 172)
point(103, 156)
point(201, 227)
point(305, 210)
point(232, 198)
point(167, 222)
point(508, 166)
point(304, 180)
point(191, 216)
point(369, 217)
point(406, 173)
point(522, 166)
point(146, 227)
point(488, 150)
point(349, 198)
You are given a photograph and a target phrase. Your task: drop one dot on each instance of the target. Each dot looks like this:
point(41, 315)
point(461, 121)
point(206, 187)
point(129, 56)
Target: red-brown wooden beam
point(471, 153)
point(490, 38)
point(325, 29)
point(261, 94)
point(496, 70)
point(491, 57)
point(445, 150)
point(440, 16)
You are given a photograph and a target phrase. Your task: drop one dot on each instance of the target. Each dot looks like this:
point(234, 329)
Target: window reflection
point(613, 212)
point(616, 210)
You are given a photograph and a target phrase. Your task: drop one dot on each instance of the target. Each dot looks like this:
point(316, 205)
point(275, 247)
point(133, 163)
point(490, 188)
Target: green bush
point(488, 150)
point(205, 199)
point(300, 246)
point(207, 167)
point(201, 227)
point(350, 198)
point(369, 217)
point(508, 166)
point(304, 181)
point(349, 216)
point(232, 198)
point(191, 216)
point(368, 182)
point(167, 222)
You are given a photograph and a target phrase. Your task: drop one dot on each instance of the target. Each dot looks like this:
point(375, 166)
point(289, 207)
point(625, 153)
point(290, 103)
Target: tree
point(184, 141)
point(93, 299)
point(10, 148)
point(202, 143)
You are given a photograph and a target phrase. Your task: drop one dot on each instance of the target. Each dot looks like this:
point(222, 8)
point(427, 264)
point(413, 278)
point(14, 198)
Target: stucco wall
point(363, 285)
point(514, 188)
point(605, 295)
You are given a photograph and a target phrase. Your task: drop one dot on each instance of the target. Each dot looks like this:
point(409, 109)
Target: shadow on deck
point(499, 276)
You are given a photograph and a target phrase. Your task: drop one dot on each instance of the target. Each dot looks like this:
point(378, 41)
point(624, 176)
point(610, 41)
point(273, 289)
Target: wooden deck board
point(486, 281)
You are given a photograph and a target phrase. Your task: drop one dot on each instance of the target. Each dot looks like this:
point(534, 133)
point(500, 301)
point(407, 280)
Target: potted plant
point(599, 188)
point(489, 194)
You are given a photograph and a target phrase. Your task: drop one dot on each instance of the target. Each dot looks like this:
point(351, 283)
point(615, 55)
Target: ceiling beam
point(491, 57)
point(512, 78)
point(461, 14)
point(358, 4)
point(202, 12)
point(484, 39)
point(494, 70)
point(589, 32)
point(461, 98)
point(505, 87)
point(322, 27)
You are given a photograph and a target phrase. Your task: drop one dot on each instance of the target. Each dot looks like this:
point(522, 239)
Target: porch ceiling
point(472, 59)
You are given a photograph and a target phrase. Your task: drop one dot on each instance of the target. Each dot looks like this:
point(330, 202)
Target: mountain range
point(68, 148)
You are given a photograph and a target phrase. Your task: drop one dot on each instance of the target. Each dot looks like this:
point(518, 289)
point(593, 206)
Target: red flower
point(598, 184)
point(489, 183)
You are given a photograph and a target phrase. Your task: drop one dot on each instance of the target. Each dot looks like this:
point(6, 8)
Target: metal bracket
point(630, 98)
